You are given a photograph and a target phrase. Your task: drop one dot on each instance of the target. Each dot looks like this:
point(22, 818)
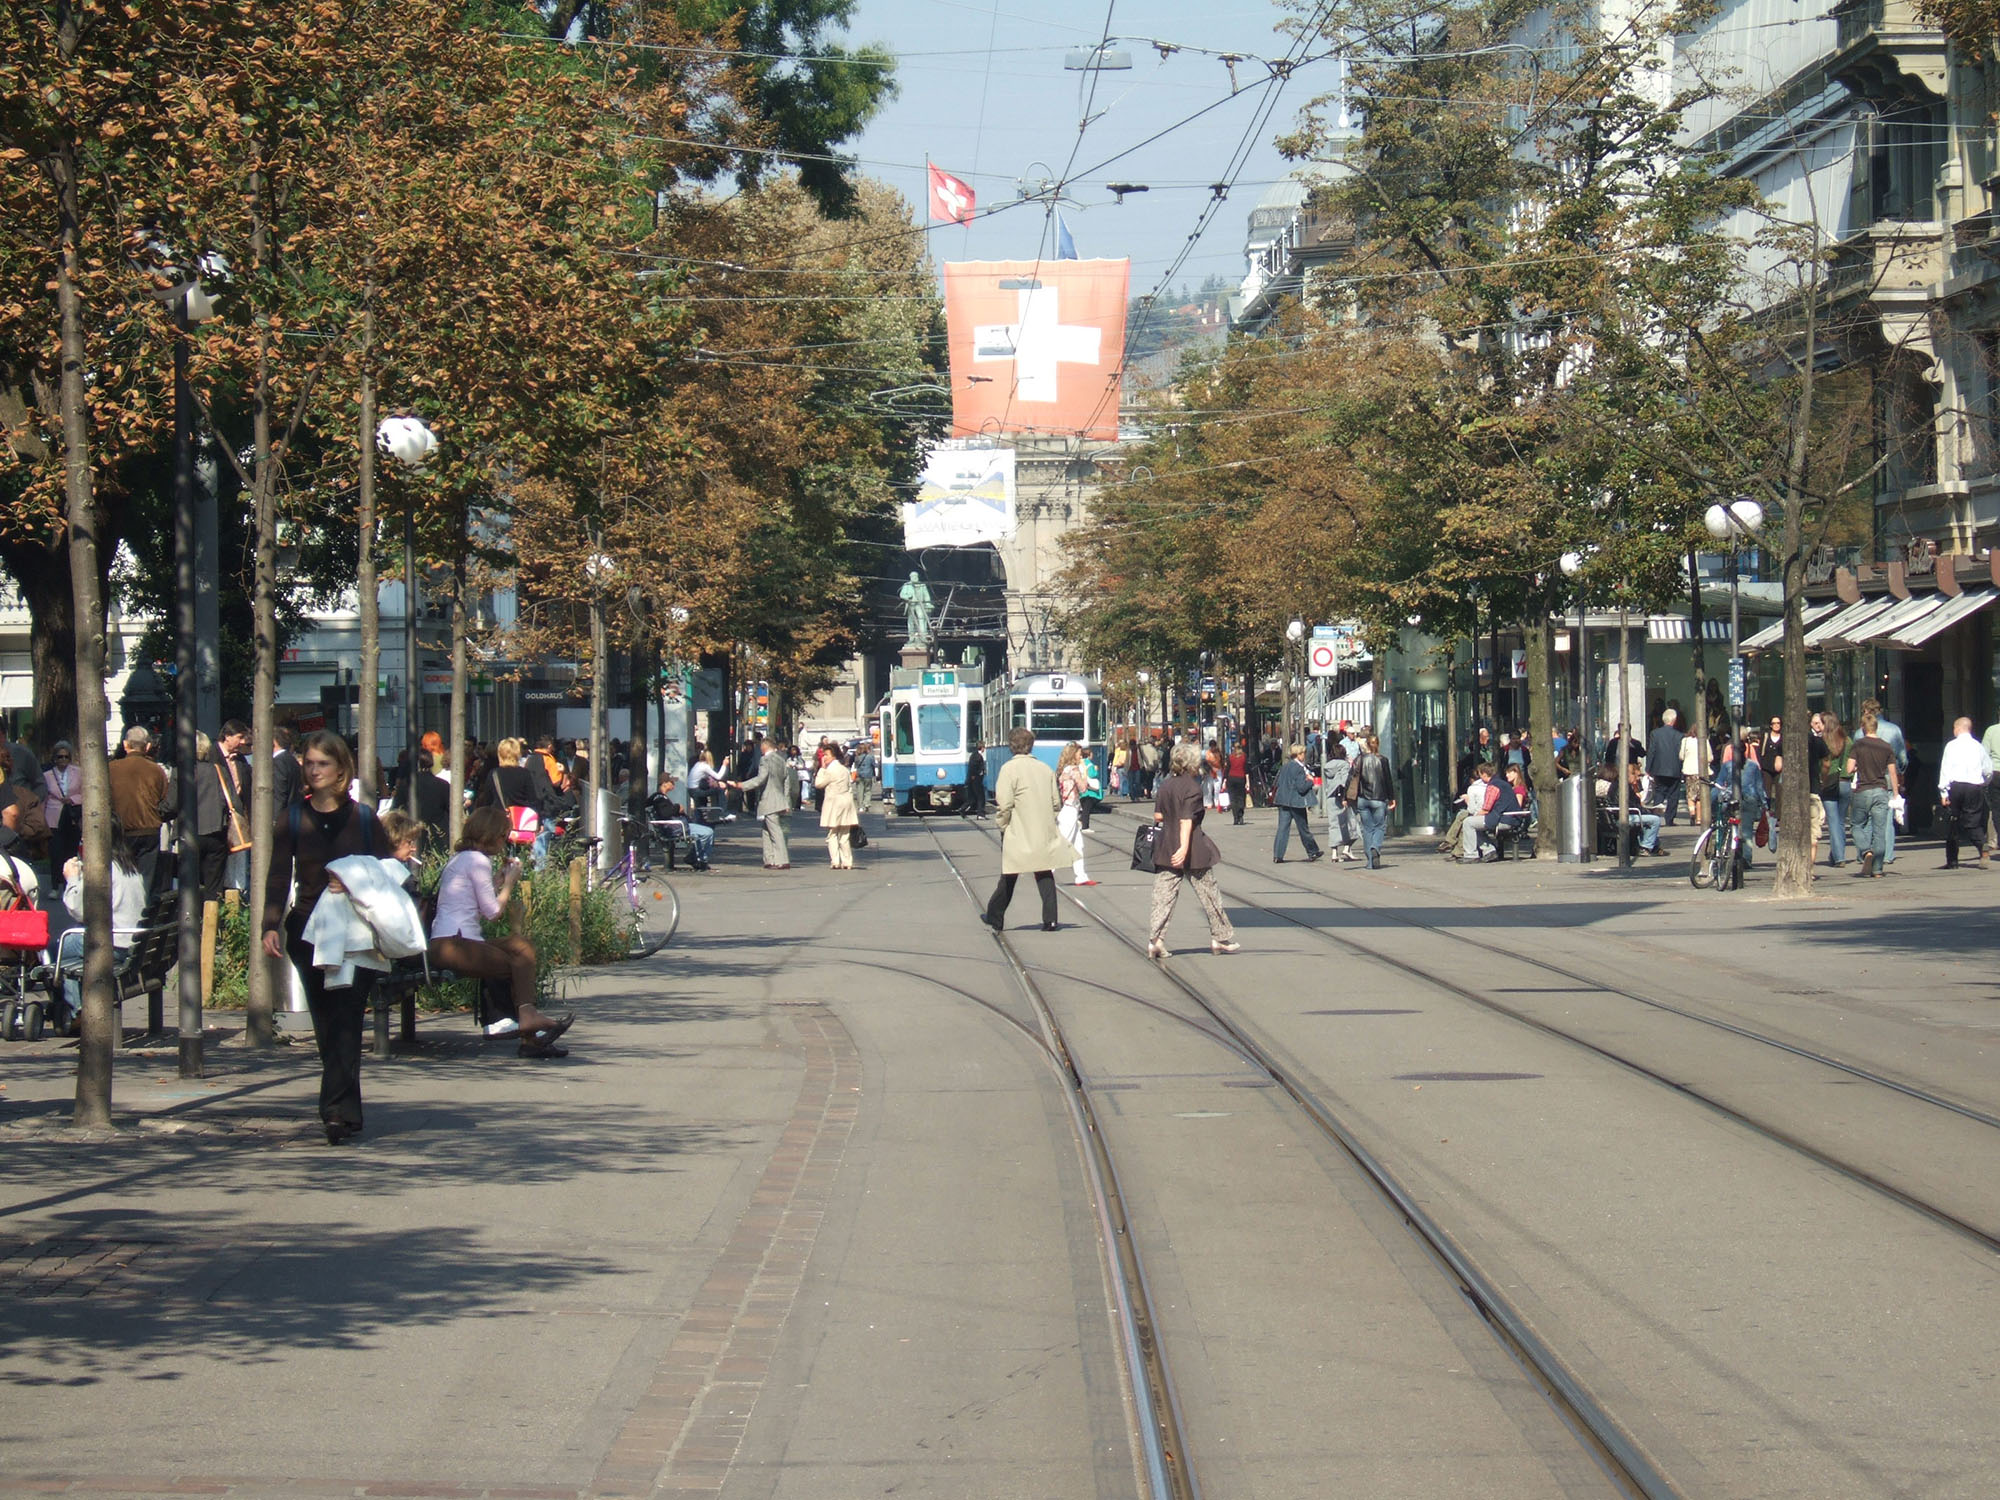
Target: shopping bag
point(1144, 842)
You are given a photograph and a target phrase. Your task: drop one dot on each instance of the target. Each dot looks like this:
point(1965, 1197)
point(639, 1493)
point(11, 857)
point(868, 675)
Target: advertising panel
point(966, 496)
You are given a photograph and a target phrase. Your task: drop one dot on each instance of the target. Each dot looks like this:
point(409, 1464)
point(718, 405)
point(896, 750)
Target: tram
point(930, 722)
point(1060, 708)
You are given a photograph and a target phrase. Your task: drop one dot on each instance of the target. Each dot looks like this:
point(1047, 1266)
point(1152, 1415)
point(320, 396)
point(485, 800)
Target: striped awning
point(1941, 619)
point(1839, 629)
point(1901, 615)
point(1773, 634)
point(1681, 628)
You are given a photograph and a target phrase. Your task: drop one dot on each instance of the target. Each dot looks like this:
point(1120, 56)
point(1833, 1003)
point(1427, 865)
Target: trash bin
point(1577, 821)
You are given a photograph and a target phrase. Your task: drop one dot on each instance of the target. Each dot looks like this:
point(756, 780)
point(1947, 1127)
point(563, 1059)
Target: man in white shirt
point(1962, 773)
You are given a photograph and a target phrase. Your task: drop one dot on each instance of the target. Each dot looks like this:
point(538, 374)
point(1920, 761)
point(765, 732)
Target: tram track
point(1616, 1451)
point(1987, 1239)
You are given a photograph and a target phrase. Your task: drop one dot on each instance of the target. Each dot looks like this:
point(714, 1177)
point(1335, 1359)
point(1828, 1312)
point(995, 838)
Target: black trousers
point(339, 1018)
point(1003, 896)
point(1965, 821)
point(1992, 808)
point(214, 861)
point(145, 851)
point(1668, 788)
point(1239, 796)
point(975, 796)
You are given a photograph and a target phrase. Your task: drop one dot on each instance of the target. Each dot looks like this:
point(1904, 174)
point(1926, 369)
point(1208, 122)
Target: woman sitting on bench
point(466, 899)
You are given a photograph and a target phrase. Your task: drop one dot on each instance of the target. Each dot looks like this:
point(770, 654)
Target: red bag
point(24, 927)
point(1763, 830)
point(524, 825)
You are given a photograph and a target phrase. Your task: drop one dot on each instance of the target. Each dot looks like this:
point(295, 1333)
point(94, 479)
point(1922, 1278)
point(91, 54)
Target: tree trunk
point(260, 1012)
point(100, 1007)
point(41, 573)
point(1698, 721)
point(461, 615)
point(1541, 746)
point(645, 675)
point(368, 751)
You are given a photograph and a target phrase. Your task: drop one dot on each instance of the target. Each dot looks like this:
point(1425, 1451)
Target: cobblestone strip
point(686, 1430)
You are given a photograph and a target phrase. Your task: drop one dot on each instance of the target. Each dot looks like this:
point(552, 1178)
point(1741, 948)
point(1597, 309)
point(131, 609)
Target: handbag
point(1763, 830)
point(1144, 843)
point(524, 825)
point(1222, 798)
point(232, 820)
point(858, 838)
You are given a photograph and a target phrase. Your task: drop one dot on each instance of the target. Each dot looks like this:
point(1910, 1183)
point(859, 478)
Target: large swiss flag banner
point(1036, 346)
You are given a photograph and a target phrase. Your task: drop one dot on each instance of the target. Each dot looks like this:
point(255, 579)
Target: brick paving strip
point(684, 1433)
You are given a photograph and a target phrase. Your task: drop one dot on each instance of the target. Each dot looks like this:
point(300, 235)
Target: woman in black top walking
point(310, 835)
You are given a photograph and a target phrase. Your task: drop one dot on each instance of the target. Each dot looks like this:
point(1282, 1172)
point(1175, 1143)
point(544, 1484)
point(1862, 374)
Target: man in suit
point(284, 770)
point(773, 786)
point(1663, 762)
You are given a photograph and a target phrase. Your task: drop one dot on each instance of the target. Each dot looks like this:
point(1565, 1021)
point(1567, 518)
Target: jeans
point(69, 957)
point(1648, 825)
point(1836, 822)
point(1287, 816)
point(1869, 820)
point(1668, 788)
point(1374, 824)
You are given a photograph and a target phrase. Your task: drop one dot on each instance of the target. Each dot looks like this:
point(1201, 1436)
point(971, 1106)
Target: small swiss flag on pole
point(951, 200)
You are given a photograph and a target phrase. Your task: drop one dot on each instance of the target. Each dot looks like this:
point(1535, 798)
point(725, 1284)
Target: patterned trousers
point(1167, 890)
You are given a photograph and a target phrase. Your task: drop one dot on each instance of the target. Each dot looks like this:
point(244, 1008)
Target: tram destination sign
point(938, 685)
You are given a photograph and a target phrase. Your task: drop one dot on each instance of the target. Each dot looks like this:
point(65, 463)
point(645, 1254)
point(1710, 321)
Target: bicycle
point(1717, 862)
point(640, 842)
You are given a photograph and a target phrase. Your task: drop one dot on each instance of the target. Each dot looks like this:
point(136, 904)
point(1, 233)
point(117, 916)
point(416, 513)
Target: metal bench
point(154, 950)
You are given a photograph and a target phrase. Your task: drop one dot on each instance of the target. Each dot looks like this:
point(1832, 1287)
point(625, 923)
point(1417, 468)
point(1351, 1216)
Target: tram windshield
point(937, 726)
point(1057, 721)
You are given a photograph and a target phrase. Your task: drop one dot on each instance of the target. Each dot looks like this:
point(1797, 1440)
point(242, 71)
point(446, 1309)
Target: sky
point(984, 95)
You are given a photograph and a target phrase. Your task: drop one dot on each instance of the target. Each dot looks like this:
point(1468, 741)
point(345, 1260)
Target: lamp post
point(1294, 633)
point(191, 307)
point(1144, 678)
point(1732, 523)
point(598, 569)
point(410, 443)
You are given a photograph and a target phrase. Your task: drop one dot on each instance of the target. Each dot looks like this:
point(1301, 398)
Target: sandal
point(546, 1034)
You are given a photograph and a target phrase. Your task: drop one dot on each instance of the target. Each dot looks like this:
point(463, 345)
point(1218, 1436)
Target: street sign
point(1323, 656)
point(1736, 684)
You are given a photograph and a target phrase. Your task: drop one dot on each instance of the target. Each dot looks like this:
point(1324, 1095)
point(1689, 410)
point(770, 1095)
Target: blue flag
point(1065, 246)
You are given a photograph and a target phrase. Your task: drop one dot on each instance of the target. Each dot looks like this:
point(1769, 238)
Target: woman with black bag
point(62, 805)
point(1185, 853)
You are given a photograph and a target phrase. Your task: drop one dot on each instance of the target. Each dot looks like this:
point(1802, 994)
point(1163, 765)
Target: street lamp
point(1740, 518)
point(1294, 633)
point(599, 569)
point(410, 443)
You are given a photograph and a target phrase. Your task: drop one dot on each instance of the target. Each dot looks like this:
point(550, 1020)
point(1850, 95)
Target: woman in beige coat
point(1024, 804)
point(837, 812)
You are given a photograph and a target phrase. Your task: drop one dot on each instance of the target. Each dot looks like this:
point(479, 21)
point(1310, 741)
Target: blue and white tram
point(929, 726)
point(1059, 708)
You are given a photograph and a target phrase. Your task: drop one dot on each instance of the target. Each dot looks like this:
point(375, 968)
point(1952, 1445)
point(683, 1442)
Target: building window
point(1906, 150)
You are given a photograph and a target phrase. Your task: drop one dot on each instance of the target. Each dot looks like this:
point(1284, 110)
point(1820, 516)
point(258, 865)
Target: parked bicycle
point(1717, 863)
point(637, 865)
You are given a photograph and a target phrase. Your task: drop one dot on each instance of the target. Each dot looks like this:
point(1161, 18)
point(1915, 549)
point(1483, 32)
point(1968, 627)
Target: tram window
point(1018, 714)
point(1096, 721)
point(1061, 722)
point(937, 726)
point(975, 724)
point(906, 740)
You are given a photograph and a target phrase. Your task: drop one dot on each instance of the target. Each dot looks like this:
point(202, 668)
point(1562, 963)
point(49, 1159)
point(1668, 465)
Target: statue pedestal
point(916, 658)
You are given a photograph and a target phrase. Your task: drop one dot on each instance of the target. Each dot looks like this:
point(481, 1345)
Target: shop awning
point(1901, 615)
point(1359, 705)
point(1941, 619)
point(1774, 632)
point(1681, 628)
point(1838, 629)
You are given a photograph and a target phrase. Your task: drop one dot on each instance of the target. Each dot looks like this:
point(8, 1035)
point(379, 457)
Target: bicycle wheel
point(1725, 863)
point(1701, 866)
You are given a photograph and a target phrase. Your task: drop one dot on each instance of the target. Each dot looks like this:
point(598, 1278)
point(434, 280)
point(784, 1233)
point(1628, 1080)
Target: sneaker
point(1313, 859)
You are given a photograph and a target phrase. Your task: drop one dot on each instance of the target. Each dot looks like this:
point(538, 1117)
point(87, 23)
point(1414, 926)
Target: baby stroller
point(24, 942)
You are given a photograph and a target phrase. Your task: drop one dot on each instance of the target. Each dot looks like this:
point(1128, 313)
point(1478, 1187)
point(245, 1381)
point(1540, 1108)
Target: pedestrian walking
point(212, 808)
point(774, 797)
point(1691, 771)
point(1891, 734)
point(1237, 776)
point(1371, 792)
point(1663, 763)
point(62, 804)
point(1963, 771)
point(837, 812)
point(1875, 781)
point(1072, 786)
point(310, 835)
point(1149, 768)
point(1183, 853)
point(1335, 770)
point(1836, 787)
point(1990, 743)
point(1025, 803)
point(142, 798)
point(285, 776)
point(975, 782)
point(1294, 794)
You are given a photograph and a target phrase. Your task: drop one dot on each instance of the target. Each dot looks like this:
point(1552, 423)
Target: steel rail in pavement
point(1616, 1450)
point(1156, 1420)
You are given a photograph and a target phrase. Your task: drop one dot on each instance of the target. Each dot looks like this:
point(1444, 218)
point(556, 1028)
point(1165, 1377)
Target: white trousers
point(1069, 823)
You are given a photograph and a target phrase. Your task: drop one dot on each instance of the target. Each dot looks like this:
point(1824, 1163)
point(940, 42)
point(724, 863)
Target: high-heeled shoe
point(1156, 949)
point(1229, 946)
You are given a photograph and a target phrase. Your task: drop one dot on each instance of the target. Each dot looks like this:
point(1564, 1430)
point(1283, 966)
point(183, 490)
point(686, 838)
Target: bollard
point(576, 879)
point(210, 910)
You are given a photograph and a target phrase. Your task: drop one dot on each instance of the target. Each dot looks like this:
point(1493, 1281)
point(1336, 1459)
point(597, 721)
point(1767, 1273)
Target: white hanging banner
point(966, 496)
